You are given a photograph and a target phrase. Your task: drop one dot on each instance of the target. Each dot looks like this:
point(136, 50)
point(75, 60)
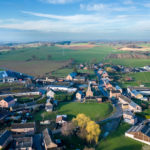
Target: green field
point(117, 141)
point(94, 110)
point(43, 60)
point(140, 78)
point(57, 54)
point(62, 72)
point(130, 62)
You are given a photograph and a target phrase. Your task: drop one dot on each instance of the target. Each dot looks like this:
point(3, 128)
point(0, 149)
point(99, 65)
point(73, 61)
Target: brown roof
point(60, 118)
point(24, 142)
point(47, 139)
point(25, 125)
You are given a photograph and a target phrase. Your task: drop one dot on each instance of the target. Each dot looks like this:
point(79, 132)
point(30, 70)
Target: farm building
point(140, 132)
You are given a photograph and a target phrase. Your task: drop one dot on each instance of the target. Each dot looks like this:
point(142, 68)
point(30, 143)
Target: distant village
point(23, 96)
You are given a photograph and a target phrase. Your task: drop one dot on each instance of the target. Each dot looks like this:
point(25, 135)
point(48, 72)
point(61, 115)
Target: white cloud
point(105, 7)
point(79, 23)
point(78, 18)
point(57, 1)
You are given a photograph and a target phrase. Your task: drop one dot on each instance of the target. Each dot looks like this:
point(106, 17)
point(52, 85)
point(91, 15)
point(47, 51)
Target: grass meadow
point(93, 110)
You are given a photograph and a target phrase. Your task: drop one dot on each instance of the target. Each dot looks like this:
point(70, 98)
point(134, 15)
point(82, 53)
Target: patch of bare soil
point(78, 47)
point(129, 56)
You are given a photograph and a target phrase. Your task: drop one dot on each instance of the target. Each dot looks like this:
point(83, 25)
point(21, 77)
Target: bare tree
point(68, 129)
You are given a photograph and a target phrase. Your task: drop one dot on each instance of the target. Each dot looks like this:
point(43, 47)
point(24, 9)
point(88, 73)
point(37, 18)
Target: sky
point(59, 20)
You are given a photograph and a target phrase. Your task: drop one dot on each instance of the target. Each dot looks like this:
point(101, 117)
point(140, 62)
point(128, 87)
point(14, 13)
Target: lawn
point(140, 78)
point(94, 110)
point(62, 72)
point(117, 141)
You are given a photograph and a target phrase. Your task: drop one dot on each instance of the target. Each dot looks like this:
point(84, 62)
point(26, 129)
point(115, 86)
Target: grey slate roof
point(144, 128)
point(8, 99)
point(4, 137)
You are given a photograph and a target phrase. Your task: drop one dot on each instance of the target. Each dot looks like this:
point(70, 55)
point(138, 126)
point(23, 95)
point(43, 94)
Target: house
point(3, 114)
point(7, 102)
point(140, 132)
point(23, 143)
point(79, 95)
point(79, 79)
point(129, 117)
point(135, 107)
point(118, 88)
point(108, 85)
point(104, 74)
point(50, 93)
point(5, 139)
point(136, 94)
point(61, 119)
point(129, 104)
point(6, 77)
point(25, 128)
point(71, 76)
point(89, 92)
point(100, 71)
point(49, 107)
point(48, 143)
point(114, 93)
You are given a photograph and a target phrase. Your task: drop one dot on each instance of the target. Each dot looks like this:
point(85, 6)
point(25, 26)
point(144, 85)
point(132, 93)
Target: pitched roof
point(25, 125)
point(73, 74)
point(3, 74)
point(47, 139)
point(144, 128)
point(4, 136)
point(118, 87)
point(24, 142)
point(8, 99)
point(125, 98)
point(80, 92)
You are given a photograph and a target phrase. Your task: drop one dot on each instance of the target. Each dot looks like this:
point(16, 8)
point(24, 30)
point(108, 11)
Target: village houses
point(129, 104)
point(7, 102)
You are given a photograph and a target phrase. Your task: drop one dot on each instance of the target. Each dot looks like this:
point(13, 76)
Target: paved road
point(117, 114)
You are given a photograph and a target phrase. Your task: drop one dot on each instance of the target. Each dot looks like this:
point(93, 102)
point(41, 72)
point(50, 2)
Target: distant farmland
point(34, 68)
point(43, 60)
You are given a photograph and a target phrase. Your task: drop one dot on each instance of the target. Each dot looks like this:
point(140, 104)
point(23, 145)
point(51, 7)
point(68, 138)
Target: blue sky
point(55, 20)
